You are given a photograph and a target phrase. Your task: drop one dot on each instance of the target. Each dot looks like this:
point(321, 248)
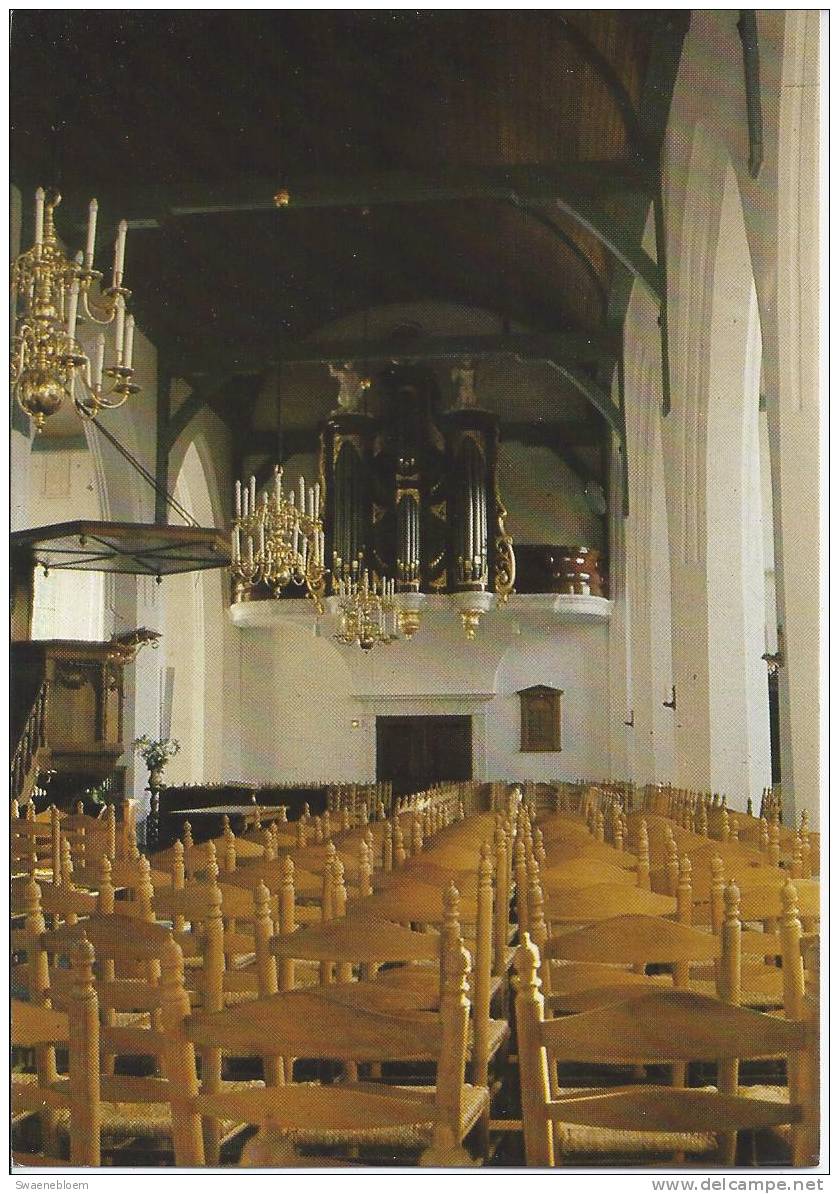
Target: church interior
point(415, 589)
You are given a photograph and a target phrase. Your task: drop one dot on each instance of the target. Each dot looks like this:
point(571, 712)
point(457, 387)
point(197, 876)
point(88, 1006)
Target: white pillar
point(794, 386)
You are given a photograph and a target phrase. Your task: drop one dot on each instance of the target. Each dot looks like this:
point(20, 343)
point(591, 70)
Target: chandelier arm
point(107, 307)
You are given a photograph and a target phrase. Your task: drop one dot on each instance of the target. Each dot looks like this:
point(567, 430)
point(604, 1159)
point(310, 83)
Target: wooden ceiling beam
point(565, 346)
point(546, 433)
point(594, 395)
point(529, 183)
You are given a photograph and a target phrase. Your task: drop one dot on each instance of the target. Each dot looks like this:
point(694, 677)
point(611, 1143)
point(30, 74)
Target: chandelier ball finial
point(40, 393)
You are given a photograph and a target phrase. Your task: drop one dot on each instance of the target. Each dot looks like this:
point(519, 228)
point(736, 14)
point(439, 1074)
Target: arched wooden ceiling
point(144, 107)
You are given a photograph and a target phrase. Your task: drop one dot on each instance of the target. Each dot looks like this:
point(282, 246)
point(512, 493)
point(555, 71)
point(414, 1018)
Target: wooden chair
point(667, 1027)
point(315, 1023)
point(225, 931)
point(36, 1025)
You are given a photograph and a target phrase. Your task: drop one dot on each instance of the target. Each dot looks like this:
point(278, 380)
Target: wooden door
point(415, 752)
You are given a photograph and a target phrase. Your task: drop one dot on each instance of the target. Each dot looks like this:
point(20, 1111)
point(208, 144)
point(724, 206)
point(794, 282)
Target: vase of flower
point(155, 753)
point(156, 779)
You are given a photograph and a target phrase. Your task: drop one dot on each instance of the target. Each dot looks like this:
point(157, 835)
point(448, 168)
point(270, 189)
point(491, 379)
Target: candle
point(262, 540)
point(39, 216)
point(250, 551)
point(129, 341)
point(311, 503)
point(317, 499)
point(253, 493)
point(99, 360)
point(120, 328)
point(245, 502)
point(278, 484)
point(238, 499)
point(73, 308)
point(91, 234)
point(295, 538)
point(119, 253)
point(234, 555)
point(302, 496)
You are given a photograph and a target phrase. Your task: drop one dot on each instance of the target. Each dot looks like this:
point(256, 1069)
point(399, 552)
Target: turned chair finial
point(731, 901)
point(526, 964)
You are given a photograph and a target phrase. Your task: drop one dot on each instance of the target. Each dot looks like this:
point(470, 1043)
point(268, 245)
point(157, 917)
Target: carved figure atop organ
point(351, 385)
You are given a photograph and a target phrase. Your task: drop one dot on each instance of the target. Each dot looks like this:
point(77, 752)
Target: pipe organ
point(411, 489)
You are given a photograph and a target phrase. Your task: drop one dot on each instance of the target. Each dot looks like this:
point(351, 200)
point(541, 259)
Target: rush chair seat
point(792, 990)
point(602, 901)
point(558, 852)
point(581, 872)
point(365, 940)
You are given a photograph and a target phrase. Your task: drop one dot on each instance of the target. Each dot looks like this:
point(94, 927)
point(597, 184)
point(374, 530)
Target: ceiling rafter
point(610, 78)
point(538, 183)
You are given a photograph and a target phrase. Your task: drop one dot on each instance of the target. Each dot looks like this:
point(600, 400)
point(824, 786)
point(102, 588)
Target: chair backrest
point(35, 843)
point(667, 1027)
point(90, 838)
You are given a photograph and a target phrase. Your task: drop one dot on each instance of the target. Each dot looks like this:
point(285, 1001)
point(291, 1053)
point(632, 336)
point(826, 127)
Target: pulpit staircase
point(31, 754)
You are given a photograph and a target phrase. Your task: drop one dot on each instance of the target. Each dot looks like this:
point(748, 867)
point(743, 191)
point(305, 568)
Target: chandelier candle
point(119, 254)
point(91, 234)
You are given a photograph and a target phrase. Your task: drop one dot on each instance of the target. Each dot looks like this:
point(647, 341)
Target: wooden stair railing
point(28, 757)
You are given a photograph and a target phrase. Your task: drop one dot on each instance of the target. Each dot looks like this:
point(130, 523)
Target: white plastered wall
point(310, 706)
point(704, 170)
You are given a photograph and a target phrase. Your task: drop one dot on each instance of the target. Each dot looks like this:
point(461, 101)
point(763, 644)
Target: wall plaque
point(541, 718)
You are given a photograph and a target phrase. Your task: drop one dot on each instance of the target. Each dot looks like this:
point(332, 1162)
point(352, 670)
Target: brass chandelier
point(278, 540)
point(49, 291)
point(368, 614)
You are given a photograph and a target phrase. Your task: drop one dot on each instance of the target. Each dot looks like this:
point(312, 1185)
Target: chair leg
point(455, 1157)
